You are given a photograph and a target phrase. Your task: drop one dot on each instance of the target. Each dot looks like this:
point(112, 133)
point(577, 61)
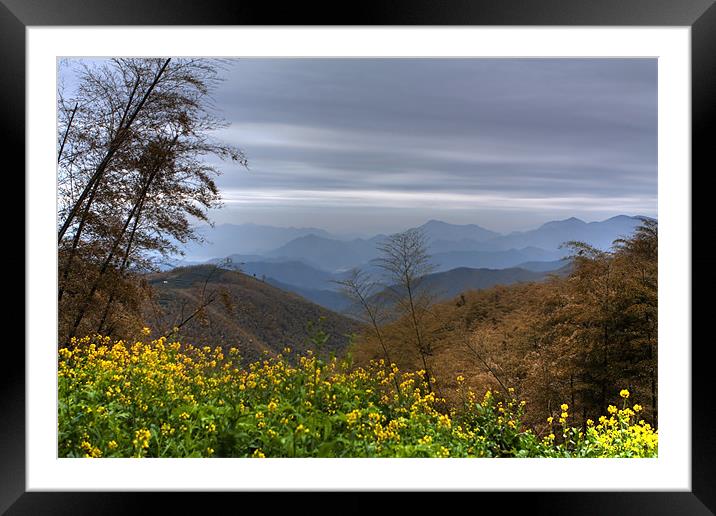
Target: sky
point(371, 146)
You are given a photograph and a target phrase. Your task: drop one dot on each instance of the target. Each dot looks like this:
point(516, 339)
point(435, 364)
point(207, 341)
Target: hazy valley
point(309, 261)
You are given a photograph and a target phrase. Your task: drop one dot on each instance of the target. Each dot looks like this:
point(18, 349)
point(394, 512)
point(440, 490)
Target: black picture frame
point(699, 15)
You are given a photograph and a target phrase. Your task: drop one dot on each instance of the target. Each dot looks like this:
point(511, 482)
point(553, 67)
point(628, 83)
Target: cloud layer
point(373, 145)
point(505, 143)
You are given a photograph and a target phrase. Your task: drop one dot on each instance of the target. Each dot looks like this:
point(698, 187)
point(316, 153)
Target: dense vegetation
point(163, 399)
point(247, 313)
point(579, 338)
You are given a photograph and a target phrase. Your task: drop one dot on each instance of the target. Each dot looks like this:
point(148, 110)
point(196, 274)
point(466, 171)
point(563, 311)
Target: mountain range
point(447, 285)
point(225, 239)
point(308, 261)
point(551, 235)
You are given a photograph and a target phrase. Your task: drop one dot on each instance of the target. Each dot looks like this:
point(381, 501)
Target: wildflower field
point(165, 399)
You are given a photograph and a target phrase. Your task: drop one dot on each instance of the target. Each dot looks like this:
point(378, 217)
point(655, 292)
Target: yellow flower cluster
point(444, 421)
point(618, 435)
point(141, 439)
point(353, 416)
point(621, 434)
point(90, 451)
point(162, 398)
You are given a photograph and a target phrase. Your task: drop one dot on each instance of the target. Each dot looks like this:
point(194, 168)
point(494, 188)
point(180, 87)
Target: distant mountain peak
point(440, 230)
point(435, 222)
point(571, 221)
point(625, 218)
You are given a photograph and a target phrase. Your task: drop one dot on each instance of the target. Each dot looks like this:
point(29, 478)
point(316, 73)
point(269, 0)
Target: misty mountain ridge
point(225, 239)
point(327, 253)
point(444, 285)
point(493, 259)
point(450, 245)
point(449, 284)
point(308, 261)
point(436, 230)
point(313, 257)
point(551, 235)
point(294, 273)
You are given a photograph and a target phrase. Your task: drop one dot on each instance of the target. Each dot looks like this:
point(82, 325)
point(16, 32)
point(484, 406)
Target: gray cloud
point(457, 137)
point(373, 144)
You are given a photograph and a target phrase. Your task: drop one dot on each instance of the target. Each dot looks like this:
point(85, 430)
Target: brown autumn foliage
point(132, 174)
point(578, 339)
point(246, 313)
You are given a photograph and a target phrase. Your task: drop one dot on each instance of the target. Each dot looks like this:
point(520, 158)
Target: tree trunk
point(122, 267)
point(113, 147)
point(105, 265)
point(67, 267)
point(67, 131)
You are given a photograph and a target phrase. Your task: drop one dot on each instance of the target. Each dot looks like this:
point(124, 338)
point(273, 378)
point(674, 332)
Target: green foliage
point(160, 399)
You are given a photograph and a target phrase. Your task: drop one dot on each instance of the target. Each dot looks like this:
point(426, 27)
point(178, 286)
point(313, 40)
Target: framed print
point(434, 266)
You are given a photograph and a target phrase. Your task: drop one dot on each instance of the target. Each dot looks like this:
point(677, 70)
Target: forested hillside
point(579, 338)
point(209, 306)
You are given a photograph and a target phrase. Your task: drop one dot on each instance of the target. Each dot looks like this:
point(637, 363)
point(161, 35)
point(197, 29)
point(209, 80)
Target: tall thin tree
point(406, 262)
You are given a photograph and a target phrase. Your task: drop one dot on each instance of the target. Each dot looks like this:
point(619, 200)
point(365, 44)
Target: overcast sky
point(378, 145)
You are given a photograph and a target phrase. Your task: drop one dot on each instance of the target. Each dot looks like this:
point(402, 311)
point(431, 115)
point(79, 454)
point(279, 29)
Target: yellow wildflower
point(141, 438)
point(353, 416)
point(444, 421)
